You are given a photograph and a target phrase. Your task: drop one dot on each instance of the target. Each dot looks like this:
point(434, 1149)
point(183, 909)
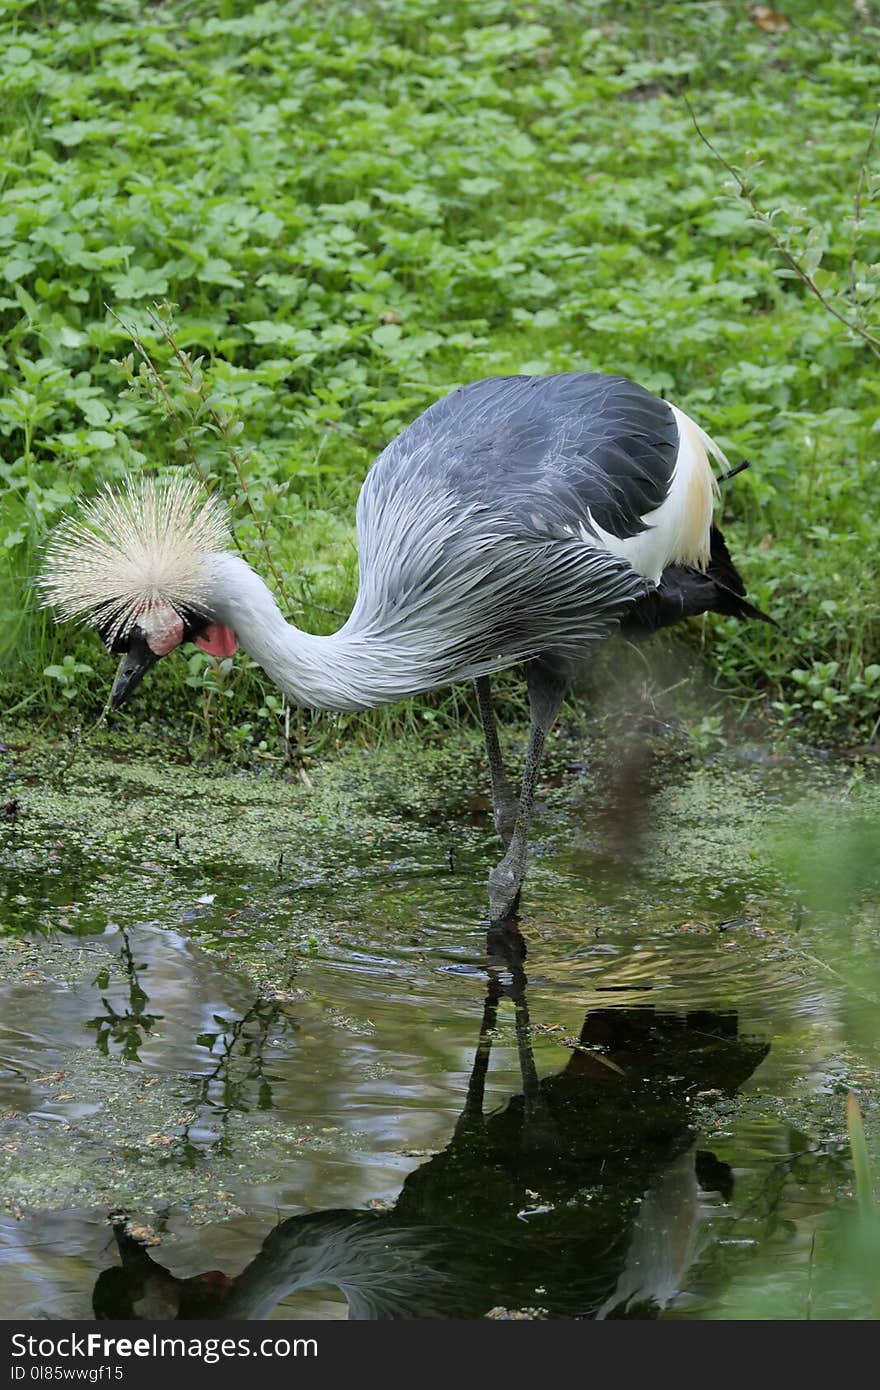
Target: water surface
point(258, 1058)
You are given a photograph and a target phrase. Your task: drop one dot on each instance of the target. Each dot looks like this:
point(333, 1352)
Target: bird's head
point(137, 563)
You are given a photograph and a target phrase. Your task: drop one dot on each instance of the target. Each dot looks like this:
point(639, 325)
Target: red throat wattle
point(217, 640)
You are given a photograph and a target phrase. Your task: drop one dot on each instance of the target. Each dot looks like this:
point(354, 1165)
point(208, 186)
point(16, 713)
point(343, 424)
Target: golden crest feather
point(131, 549)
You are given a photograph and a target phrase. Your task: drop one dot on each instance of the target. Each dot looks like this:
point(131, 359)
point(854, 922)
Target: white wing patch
point(677, 532)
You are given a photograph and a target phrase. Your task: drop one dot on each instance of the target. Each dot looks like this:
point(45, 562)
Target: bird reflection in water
point(579, 1199)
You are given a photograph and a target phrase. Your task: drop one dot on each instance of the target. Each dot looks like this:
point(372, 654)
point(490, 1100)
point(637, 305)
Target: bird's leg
point(504, 802)
point(538, 1129)
point(505, 881)
point(506, 947)
point(471, 1118)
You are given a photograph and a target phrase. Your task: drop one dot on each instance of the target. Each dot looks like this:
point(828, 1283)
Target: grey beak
point(132, 669)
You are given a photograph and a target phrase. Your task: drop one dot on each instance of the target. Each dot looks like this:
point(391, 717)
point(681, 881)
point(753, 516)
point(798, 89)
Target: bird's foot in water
point(506, 947)
point(505, 884)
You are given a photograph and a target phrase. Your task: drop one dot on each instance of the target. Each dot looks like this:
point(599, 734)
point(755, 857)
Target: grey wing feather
point(474, 524)
point(576, 444)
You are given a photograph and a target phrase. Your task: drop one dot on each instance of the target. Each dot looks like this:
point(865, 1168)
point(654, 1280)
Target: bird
point(581, 1194)
point(518, 521)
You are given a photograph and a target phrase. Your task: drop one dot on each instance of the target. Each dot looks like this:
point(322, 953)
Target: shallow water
point(253, 1030)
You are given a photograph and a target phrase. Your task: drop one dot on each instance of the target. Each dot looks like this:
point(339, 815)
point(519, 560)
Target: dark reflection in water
point(292, 1036)
point(579, 1199)
point(124, 1028)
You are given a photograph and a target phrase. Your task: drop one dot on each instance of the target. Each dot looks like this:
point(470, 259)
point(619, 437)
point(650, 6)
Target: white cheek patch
point(162, 627)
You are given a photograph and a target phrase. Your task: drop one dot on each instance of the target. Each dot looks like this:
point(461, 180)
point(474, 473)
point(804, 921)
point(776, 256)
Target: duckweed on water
point(227, 995)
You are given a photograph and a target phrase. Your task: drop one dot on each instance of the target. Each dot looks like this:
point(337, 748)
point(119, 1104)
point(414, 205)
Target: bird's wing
point(522, 516)
point(556, 452)
point(450, 596)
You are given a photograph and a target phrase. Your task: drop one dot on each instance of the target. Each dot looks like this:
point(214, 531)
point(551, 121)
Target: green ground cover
point(354, 208)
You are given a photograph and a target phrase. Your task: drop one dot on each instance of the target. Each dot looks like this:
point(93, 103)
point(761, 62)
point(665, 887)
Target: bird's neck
point(357, 667)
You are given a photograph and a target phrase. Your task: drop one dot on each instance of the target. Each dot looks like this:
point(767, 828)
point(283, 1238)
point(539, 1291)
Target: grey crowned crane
point(518, 521)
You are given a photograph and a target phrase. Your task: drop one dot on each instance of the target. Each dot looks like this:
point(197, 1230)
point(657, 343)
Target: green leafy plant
point(304, 227)
point(825, 698)
point(865, 1237)
point(66, 676)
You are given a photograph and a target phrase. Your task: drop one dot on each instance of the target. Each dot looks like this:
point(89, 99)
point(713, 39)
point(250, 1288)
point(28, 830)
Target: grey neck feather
point(342, 672)
point(376, 658)
point(448, 592)
point(385, 1269)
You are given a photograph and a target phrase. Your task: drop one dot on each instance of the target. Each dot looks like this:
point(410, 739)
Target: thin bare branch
point(764, 220)
point(222, 424)
point(171, 409)
point(857, 201)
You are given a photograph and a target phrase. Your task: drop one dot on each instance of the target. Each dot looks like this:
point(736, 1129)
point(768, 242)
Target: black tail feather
point(732, 472)
point(685, 593)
